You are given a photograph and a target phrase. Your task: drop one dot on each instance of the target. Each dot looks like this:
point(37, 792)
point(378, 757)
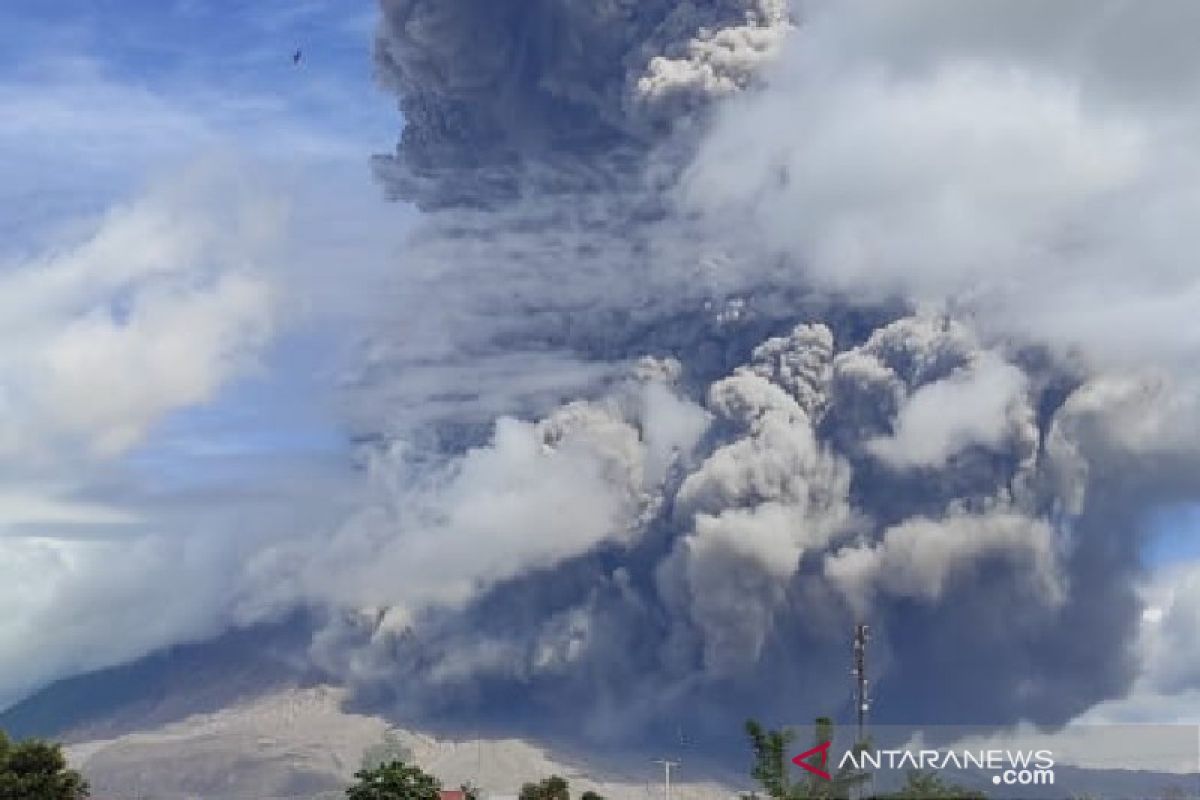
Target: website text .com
point(1025, 777)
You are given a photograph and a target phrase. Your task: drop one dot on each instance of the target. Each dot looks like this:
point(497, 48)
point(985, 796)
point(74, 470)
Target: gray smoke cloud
point(650, 558)
point(730, 324)
point(501, 97)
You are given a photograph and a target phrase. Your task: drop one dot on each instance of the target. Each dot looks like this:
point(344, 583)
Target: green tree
point(387, 750)
point(35, 770)
point(770, 752)
point(928, 785)
point(552, 788)
point(842, 780)
point(394, 781)
point(772, 765)
point(590, 795)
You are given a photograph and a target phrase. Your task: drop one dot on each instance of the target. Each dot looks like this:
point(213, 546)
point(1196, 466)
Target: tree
point(394, 781)
point(929, 786)
point(843, 780)
point(770, 754)
point(387, 750)
point(552, 788)
point(590, 795)
point(772, 765)
point(35, 770)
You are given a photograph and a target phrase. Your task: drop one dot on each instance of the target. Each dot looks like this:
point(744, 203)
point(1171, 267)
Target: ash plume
point(498, 97)
point(679, 386)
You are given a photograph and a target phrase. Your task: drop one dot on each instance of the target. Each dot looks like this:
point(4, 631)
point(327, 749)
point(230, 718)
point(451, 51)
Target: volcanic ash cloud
point(675, 392)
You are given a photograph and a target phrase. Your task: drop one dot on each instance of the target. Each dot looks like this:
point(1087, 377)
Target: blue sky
point(109, 96)
point(188, 232)
point(1176, 536)
point(100, 95)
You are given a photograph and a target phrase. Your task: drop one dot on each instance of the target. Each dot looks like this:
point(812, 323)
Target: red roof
point(452, 794)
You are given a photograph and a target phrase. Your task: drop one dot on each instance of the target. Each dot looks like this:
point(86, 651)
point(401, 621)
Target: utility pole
point(859, 671)
point(667, 765)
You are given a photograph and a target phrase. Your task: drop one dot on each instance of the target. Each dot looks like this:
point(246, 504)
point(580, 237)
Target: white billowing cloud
point(732, 574)
point(978, 405)
point(82, 604)
point(800, 363)
point(1167, 690)
point(671, 425)
point(718, 61)
point(776, 462)
point(174, 350)
point(153, 312)
point(536, 495)
point(974, 165)
point(757, 504)
point(922, 184)
point(103, 336)
point(1171, 631)
point(1105, 47)
point(1140, 413)
point(919, 557)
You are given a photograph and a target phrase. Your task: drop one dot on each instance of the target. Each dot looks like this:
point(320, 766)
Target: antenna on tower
point(862, 697)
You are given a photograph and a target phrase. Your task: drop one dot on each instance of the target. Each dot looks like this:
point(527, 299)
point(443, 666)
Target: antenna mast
point(859, 671)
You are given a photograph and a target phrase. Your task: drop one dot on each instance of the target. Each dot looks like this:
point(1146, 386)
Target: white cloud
point(920, 557)
point(1167, 690)
point(110, 380)
point(80, 604)
point(166, 301)
point(978, 405)
point(43, 506)
point(536, 495)
point(973, 167)
point(1171, 631)
point(104, 336)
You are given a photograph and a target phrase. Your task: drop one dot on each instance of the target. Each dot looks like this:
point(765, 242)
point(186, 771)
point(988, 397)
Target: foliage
point(770, 758)
point(389, 749)
point(772, 765)
point(552, 788)
point(590, 795)
point(929, 786)
point(394, 781)
point(36, 770)
point(843, 780)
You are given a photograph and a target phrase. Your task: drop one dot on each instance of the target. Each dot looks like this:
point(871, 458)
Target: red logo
point(823, 750)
